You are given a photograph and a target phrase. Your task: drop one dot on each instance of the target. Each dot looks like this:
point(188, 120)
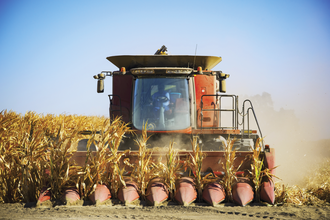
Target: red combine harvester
point(180, 96)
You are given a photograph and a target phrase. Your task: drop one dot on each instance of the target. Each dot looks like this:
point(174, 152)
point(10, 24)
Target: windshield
point(163, 102)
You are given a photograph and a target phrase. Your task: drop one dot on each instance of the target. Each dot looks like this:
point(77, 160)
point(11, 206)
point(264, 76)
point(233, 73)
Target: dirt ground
point(169, 211)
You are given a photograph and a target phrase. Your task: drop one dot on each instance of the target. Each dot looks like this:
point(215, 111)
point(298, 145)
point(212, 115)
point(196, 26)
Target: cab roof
point(189, 61)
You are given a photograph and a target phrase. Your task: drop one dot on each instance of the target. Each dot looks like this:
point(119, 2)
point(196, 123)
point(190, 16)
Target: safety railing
point(245, 115)
point(218, 108)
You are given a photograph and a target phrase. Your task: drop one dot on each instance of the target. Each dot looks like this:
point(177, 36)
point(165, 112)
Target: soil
point(167, 211)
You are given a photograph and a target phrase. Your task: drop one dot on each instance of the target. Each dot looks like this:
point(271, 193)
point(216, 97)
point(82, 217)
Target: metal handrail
point(233, 109)
point(248, 120)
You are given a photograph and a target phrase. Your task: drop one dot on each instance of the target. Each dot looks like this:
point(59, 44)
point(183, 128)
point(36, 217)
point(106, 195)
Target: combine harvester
point(180, 96)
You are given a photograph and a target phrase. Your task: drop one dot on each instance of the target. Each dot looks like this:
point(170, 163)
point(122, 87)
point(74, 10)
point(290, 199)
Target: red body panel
point(129, 194)
point(267, 192)
point(242, 192)
point(101, 194)
point(215, 131)
point(214, 159)
point(270, 160)
point(183, 131)
point(157, 192)
point(122, 86)
point(206, 85)
point(185, 191)
point(71, 195)
point(214, 193)
point(44, 195)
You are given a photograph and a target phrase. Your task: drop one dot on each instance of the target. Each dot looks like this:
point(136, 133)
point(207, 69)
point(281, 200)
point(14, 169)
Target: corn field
point(36, 151)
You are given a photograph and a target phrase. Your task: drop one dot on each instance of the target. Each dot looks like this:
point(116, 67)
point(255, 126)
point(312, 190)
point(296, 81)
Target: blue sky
point(49, 50)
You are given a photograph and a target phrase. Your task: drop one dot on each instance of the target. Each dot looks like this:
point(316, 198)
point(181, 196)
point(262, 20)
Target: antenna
point(195, 57)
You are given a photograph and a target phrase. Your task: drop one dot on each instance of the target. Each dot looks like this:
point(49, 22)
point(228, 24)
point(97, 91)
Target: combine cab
point(180, 97)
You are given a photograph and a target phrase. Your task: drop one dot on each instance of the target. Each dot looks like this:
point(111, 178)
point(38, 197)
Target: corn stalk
point(96, 162)
point(31, 152)
point(195, 163)
point(63, 172)
point(10, 161)
point(117, 133)
point(32, 148)
point(173, 166)
point(169, 171)
point(142, 173)
point(103, 165)
point(229, 167)
point(23, 146)
point(258, 171)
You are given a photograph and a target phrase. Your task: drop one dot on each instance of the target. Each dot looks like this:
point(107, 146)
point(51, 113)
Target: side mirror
point(223, 86)
point(100, 80)
point(100, 86)
point(221, 77)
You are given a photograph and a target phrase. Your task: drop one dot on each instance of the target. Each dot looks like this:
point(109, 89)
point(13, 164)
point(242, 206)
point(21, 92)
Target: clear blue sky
point(49, 50)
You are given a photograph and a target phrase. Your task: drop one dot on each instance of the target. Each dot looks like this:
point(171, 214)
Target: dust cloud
point(283, 131)
point(181, 142)
point(295, 153)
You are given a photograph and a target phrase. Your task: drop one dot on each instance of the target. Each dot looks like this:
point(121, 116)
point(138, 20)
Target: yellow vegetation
point(258, 172)
point(36, 151)
point(102, 166)
point(316, 191)
point(229, 168)
point(143, 169)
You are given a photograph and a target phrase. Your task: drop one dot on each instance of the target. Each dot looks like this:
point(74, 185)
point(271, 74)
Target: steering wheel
point(162, 99)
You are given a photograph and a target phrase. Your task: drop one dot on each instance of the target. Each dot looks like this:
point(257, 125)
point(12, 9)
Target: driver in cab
point(161, 98)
